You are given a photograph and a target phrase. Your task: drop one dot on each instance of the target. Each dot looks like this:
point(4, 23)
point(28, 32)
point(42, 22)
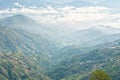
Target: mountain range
point(31, 51)
point(60, 3)
point(42, 3)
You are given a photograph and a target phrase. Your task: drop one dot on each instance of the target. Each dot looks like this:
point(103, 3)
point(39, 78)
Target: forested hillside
point(27, 54)
point(24, 56)
point(80, 66)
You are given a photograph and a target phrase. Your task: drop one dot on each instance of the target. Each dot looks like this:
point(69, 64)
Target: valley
point(29, 52)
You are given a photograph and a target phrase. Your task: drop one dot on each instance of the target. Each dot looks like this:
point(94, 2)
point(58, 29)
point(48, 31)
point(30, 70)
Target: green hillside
point(13, 68)
point(23, 56)
point(80, 66)
point(27, 55)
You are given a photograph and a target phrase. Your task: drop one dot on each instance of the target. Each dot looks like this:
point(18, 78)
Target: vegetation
point(99, 75)
point(11, 68)
point(27, 56)
point(80, 66)
point(18, 60)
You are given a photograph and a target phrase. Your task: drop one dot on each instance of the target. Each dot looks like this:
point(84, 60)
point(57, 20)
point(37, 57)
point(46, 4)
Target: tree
point(99, 75)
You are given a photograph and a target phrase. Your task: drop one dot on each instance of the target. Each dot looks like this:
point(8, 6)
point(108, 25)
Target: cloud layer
point(69, 16)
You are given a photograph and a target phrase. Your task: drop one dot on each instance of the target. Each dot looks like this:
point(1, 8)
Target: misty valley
point(59, 40)
point(29, 54)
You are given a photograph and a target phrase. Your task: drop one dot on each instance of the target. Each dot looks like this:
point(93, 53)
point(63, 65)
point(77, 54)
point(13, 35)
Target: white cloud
point(17, 4)
point(70, 17)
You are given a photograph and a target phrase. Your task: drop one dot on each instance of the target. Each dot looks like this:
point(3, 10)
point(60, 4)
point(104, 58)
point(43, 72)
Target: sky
point(69, 16)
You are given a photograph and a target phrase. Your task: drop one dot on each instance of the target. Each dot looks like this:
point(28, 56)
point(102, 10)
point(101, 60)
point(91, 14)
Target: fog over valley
point(59, 39)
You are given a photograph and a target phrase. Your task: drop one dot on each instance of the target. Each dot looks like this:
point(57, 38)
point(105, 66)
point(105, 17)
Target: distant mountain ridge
point(20, 21)
point(4, 4)
point(91, 34)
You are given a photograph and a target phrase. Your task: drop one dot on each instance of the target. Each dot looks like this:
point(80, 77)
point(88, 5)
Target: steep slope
point(21, 21)
point(29, 53)
point(18, 40)
point(35, 48)
point(19, 67)
point(80, 66)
